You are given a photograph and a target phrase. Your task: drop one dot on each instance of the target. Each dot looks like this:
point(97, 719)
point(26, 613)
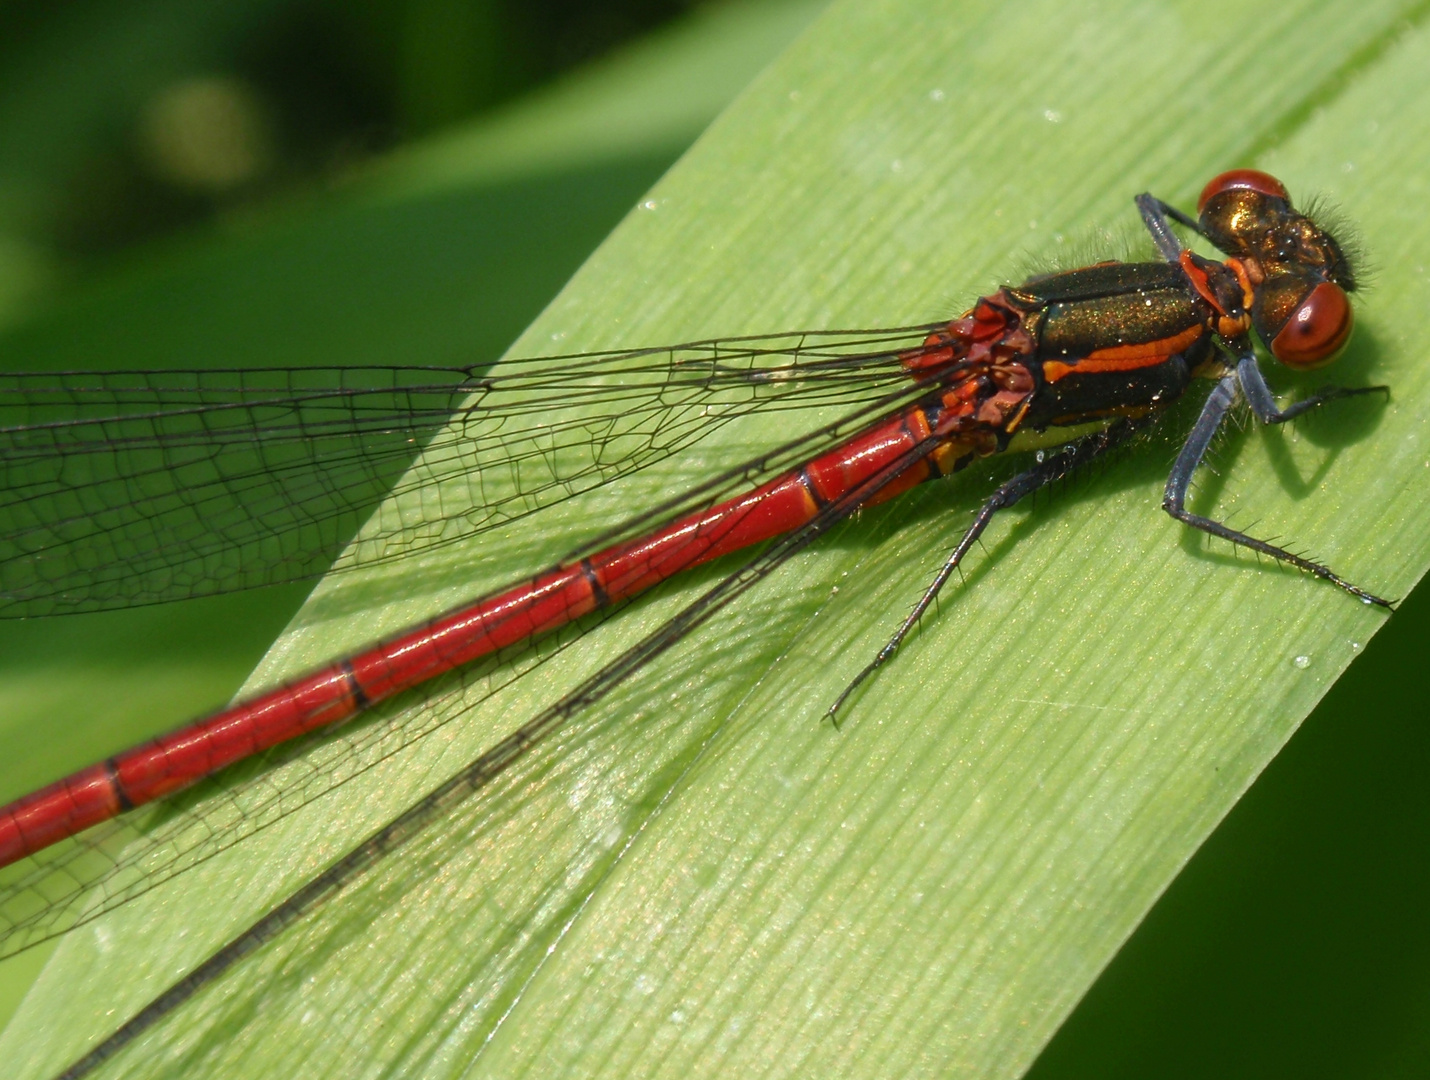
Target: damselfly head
point(1250, 217)
point(1298, 271)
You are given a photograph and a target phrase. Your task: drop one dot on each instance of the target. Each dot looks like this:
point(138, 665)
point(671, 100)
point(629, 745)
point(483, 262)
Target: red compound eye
point(1243, 180)
point(1318, 329)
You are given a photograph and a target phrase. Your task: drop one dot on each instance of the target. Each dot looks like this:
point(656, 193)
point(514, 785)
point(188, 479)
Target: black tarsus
point(1263, 404)
point(1218, 405)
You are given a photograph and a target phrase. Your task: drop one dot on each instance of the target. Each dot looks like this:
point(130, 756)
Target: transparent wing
point(126, 488)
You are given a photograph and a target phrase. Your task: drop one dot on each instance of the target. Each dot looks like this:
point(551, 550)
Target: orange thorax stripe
point(1124, 357)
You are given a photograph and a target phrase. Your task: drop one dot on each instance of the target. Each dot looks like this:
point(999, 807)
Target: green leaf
point(699, 877)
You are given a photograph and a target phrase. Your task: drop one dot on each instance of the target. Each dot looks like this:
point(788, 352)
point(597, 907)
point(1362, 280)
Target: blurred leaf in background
point(127, 121)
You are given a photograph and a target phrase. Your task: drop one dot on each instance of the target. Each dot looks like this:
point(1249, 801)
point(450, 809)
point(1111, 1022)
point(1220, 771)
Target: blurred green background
point(124, 123)
point(250, 182)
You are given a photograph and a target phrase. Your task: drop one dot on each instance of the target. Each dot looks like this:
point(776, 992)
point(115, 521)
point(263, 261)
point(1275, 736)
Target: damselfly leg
point(1052, 468)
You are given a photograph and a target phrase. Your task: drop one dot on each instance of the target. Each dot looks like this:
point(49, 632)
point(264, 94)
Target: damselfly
point(130, 488)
